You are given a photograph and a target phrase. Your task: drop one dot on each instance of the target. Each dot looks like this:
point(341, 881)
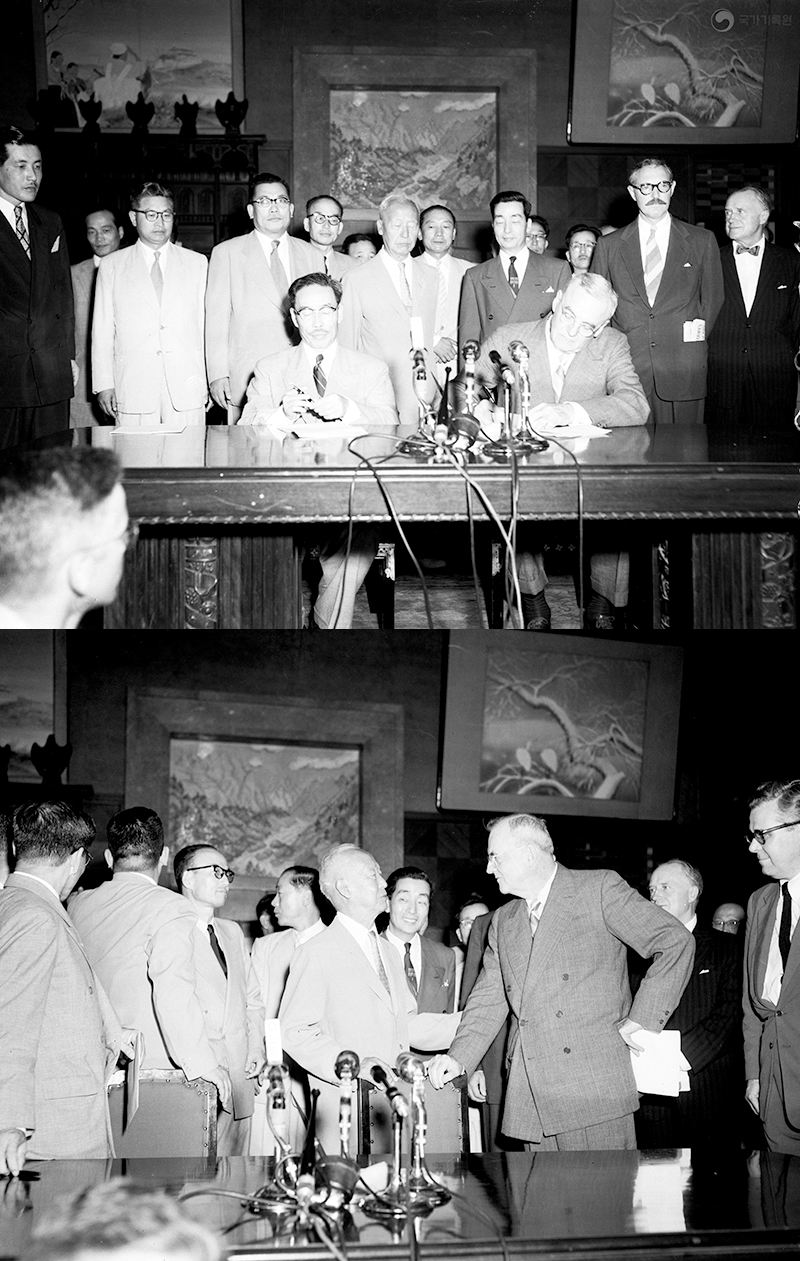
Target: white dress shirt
point(400, 946)
point(773, 977)
point(396, 271)
point(520, 261)
point(283, 252)
point(363, 936)
point(748, 269)
point(7, 208)
point(662, 236)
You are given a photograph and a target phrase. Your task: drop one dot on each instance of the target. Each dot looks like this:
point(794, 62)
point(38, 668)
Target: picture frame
point(550, 724)
point(33, 698)
point(157, 717)
point(663, 74)
point(319, 71)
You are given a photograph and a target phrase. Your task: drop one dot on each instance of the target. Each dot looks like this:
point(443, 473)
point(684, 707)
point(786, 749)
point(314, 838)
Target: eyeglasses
point(153, 215)
point(333, 220)
point(537, 236)
point(270, 201)
point(760, 834)
point(221, 873)
point(725, 923)
point(308, 312)
point(585, 330)
point(663, 186)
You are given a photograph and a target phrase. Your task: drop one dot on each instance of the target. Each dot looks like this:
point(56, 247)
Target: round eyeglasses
point(760, 834)
point(221, 873)
point(333, 220)
point(663, 186)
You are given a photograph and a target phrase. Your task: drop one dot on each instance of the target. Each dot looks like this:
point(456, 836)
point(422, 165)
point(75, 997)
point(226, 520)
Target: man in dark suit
point(429, 967)
point(37, 342)
point(752, 380)
point(708, 1018)
point(104, 235)
point(668, 277)
point(556, 960)
point(772, 974)
point(518, 285)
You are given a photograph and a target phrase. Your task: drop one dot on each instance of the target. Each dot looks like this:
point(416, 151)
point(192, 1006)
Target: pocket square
point(704, 971)
point(56, 244)
point(549, 289)
point(687, 264)
point(783, 286)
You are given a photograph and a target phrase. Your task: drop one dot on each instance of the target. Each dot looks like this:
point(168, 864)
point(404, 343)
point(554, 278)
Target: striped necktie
point(513, 278)
point(408, 968)
point(379, 965)
point(320, 380)
point(22, 231)
point(653, 267)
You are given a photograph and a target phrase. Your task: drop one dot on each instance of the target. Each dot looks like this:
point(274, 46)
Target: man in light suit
point(59, 1036)
point(515, 287)
point(772, 976)
point(296, 909)
point(346, 990)
point(37, 344)
point(389, 307)
point(247, 314)
point(321, 380)
point(429, 966)
point(578, 367)
point(708, 1018)
point(105, 237)
point(752, 380)
point(140, 938)
point(437, 231)
point(669, 281)
point(556, 960)
point(148, 366)
point(324, 222)
point(227, 990)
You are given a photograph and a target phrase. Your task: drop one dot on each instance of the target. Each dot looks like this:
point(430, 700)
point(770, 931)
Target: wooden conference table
point(588, 1204)
point(223, 512)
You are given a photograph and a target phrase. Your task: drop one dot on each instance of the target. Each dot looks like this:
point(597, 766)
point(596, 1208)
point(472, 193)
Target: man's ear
point(109, 857)
point(250, 210)
point(306, 225)
point(164, 859)
point(293, 317)
point(379, 227)
point(557, 300)
point(132, 217)
point(632, 191)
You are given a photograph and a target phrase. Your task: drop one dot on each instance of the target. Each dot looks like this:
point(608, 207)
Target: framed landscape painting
point(547, 724)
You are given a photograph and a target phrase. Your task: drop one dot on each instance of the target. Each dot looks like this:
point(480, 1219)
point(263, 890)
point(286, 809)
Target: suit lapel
point(500, 291)
point(767, 277)
point(12, 249)
point(763, 930)
point(553, 927)
point(360, 965)
point(257, 266)
point(632, 257)
point(388, 291)
point(733, 290)
point(517, 935)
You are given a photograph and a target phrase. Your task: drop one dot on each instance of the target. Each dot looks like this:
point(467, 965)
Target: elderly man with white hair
point(389, 305)
point(347, 991)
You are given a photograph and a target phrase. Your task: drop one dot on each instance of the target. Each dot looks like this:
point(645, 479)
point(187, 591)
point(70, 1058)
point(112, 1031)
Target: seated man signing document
point(319, 382)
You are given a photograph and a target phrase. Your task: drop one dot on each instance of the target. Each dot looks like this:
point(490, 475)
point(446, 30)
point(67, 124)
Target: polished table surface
point(239, 475)
point(601, 1204)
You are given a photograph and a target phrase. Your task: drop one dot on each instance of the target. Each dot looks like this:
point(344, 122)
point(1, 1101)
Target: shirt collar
point(537, 903)
point(309, 932)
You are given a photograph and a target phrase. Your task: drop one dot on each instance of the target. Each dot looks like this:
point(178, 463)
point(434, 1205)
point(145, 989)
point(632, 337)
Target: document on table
point(661, 1068)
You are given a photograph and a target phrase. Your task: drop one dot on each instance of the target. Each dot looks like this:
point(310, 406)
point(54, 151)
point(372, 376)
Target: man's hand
point(476, 1086)
point(256, 1069)
point(293, 404)
point(442, 1069)
point(551, 414)
point(76, 373)
point(221, 391)
point(372, 1061)
point(13, 1148)
point(751, 1094)
point(108, 402)
point(222, 1081)
point(627, 1028)
point(445, 350)
point(331, 406)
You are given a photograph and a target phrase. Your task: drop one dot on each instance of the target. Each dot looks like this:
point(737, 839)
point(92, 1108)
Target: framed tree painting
point(549, 724)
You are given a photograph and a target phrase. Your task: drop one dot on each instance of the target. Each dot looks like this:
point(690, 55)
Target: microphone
point(520, 354)
point(506, 374)
point(397, 1100)
point(418, 360)
point(347, 1066)
point(409, 1067)
point(470, 350)
point(346, 1069)
point(275, 1074)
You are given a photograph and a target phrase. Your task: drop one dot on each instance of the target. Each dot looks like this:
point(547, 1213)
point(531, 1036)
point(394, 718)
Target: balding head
point(728, 917)
point(352, 882)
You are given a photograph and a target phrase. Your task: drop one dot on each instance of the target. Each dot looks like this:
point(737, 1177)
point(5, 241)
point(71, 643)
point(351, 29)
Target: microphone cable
point(580, 506)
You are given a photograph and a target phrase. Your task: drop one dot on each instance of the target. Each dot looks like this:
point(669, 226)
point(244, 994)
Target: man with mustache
point(668, 277)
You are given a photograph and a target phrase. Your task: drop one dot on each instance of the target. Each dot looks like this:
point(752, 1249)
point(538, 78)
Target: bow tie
point(746, 249)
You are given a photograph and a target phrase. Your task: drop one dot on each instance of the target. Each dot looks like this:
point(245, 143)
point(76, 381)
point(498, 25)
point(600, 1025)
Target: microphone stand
point(422, 440)
point(422, 1187)
point(521, 355)
point(507, 445)
point(393, 1202)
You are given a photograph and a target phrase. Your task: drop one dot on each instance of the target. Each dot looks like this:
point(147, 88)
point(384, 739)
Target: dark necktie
point(785, 930)
point(22, 231)
point(215, 946)
point(513, 278)
point(408, 966)
point(320, 380)
point(746, 249)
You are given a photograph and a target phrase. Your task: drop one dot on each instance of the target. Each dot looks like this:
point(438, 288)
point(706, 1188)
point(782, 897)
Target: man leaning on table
point(321, 383)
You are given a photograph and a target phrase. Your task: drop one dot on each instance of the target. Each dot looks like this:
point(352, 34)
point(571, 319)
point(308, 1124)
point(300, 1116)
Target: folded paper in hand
point(661, 1068)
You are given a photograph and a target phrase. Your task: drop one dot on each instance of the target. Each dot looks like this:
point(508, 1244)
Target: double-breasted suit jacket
point(708, 1018)
point(140, 938)
point(361, 378)
point(758, 348)
point(135, 340)
point(83, 409)
point(375, 321)
point(771, 1031)
point(246, 317)
point(567, 990)
point(488, 301)
point(691, 288)
point(59, 1036)
point(601, 376)
point(37, 335)
point(436, 989)
point(232, 1008)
